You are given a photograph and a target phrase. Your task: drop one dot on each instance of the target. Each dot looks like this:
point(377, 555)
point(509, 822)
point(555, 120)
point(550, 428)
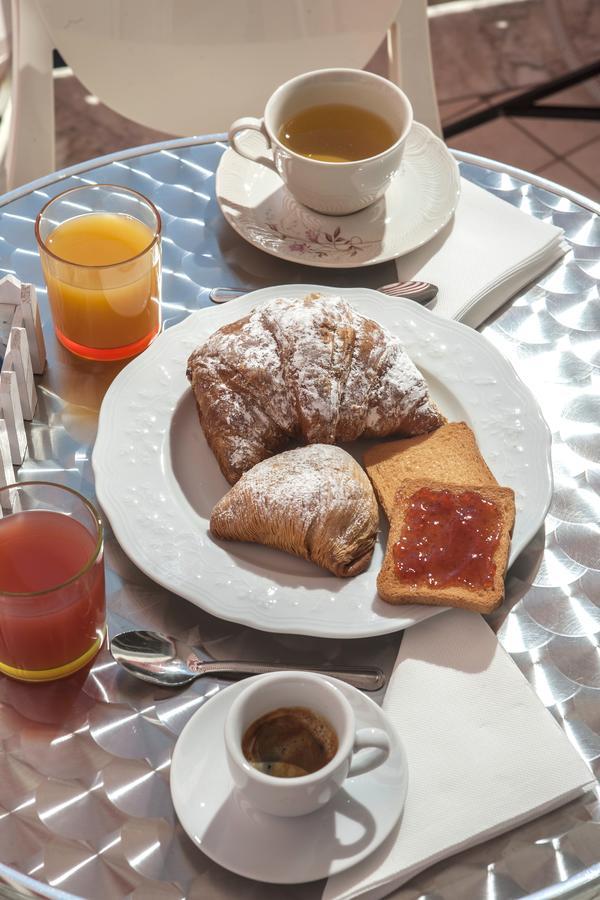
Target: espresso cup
point(334, 188)
point(357, 751)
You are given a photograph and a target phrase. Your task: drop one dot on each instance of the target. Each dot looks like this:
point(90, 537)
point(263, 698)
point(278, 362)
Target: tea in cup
point(336, 137)
point(291, 742)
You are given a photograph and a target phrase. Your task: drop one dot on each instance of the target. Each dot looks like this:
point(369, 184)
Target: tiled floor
point(483, 51)
point(486, 51)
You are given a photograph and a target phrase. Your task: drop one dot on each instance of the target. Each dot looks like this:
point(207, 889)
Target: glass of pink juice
point(52, 601)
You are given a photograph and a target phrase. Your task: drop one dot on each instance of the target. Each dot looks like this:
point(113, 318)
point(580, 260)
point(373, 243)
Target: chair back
point(193, 66)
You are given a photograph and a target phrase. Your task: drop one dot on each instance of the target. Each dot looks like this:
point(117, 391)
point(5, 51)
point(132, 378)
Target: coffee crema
point(337, 132)
point(289, 742)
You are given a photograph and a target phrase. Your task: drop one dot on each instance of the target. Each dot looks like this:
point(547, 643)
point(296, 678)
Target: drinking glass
point(102, 269)
point(52, 600)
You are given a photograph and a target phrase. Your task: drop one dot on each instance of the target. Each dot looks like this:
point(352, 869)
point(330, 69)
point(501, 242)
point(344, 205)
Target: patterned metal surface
point(85, 808)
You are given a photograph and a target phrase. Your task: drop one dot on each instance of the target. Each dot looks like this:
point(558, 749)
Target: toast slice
point(395, 589)
point(450, 453)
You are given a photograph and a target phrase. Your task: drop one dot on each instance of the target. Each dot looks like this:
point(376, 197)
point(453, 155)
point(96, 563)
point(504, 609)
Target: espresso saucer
point(270, 848)
point(418, 203)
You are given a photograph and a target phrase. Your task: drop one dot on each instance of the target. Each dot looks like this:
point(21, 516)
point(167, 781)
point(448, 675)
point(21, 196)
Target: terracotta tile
point(510, 45)
point(500, 96)
point(577, 29)
point(84, 131)
point(560, 136)
point(563, 174)
point(502, 141)
point(503, 47)
point(495, 48)
point(586, 93)
point(472, 105)
point(564, 135)
point(450, 110)
point(587, 160)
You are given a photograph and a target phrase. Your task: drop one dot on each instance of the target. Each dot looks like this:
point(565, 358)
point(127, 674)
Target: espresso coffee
point(337, 132)
point(289, 742)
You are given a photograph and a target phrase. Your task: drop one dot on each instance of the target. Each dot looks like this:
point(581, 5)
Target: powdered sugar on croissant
point(315, 502)
point(310, 370)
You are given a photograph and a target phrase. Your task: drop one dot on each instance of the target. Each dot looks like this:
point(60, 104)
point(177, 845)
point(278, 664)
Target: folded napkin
point(484, 754)
point(486, 254)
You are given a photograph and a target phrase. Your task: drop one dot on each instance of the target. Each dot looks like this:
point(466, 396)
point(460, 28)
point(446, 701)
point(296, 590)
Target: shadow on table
point(312, 837)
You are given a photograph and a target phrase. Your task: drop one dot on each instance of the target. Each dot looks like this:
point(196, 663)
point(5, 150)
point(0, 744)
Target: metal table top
point(85, 809)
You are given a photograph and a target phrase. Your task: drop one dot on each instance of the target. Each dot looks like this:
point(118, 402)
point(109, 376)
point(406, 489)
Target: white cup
point(307, 793)
point(335, 188)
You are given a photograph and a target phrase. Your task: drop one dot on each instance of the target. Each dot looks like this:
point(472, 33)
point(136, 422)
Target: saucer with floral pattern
point(419, 202)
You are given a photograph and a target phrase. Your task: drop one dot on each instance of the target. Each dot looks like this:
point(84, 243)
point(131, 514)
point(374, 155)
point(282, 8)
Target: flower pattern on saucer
point(417, 205)
point(321, 243)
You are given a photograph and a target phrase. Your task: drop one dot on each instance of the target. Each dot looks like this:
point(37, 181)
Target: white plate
point(270, 848)
point(158, 480)
point(419, 202)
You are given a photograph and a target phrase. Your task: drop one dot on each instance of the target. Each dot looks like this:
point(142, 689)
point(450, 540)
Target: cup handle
point(377, 742)
point(248, 123)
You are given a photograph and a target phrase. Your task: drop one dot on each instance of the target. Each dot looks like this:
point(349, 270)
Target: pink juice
point(50, 552)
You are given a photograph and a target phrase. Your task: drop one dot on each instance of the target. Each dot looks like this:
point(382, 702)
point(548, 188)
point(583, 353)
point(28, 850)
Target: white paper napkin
point(484, 754)
point(483, 257)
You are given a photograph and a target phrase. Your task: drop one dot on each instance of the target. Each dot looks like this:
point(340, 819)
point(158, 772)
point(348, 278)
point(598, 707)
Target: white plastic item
point(5, 86)
point(19, 306)
point(6, 469)
point(18, 360)
point(410, 64)
point(23, 353)
point(30, 150)
point(12, 414)
point(193, 68)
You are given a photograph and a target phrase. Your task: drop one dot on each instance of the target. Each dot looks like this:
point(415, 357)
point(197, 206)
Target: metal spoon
point(161, 660)
point(421, 291)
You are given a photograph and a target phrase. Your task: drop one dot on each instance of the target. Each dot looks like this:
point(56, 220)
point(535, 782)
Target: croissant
point(313, 501)
point(310, 371)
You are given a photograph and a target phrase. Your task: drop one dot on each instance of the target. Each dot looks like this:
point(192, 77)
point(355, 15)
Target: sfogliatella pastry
point(311, 371)
point(314, 501)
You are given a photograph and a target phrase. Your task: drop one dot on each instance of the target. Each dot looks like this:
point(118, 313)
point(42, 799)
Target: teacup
point(357, 751)
point(334, 188)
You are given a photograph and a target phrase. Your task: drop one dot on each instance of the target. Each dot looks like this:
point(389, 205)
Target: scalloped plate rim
point(369, 624)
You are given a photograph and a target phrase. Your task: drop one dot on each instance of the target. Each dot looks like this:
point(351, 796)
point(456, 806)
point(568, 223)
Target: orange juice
point(102, 271)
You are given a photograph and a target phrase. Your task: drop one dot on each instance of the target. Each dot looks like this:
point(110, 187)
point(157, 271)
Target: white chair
point(5, 84)
point(193, 66)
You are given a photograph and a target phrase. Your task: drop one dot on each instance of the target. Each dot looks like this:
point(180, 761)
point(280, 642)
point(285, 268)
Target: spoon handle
point(421, 291)
point(223, 294)
point(368, 678)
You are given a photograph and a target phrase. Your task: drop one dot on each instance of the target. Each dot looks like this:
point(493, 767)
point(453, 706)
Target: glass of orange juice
point(100, 252)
